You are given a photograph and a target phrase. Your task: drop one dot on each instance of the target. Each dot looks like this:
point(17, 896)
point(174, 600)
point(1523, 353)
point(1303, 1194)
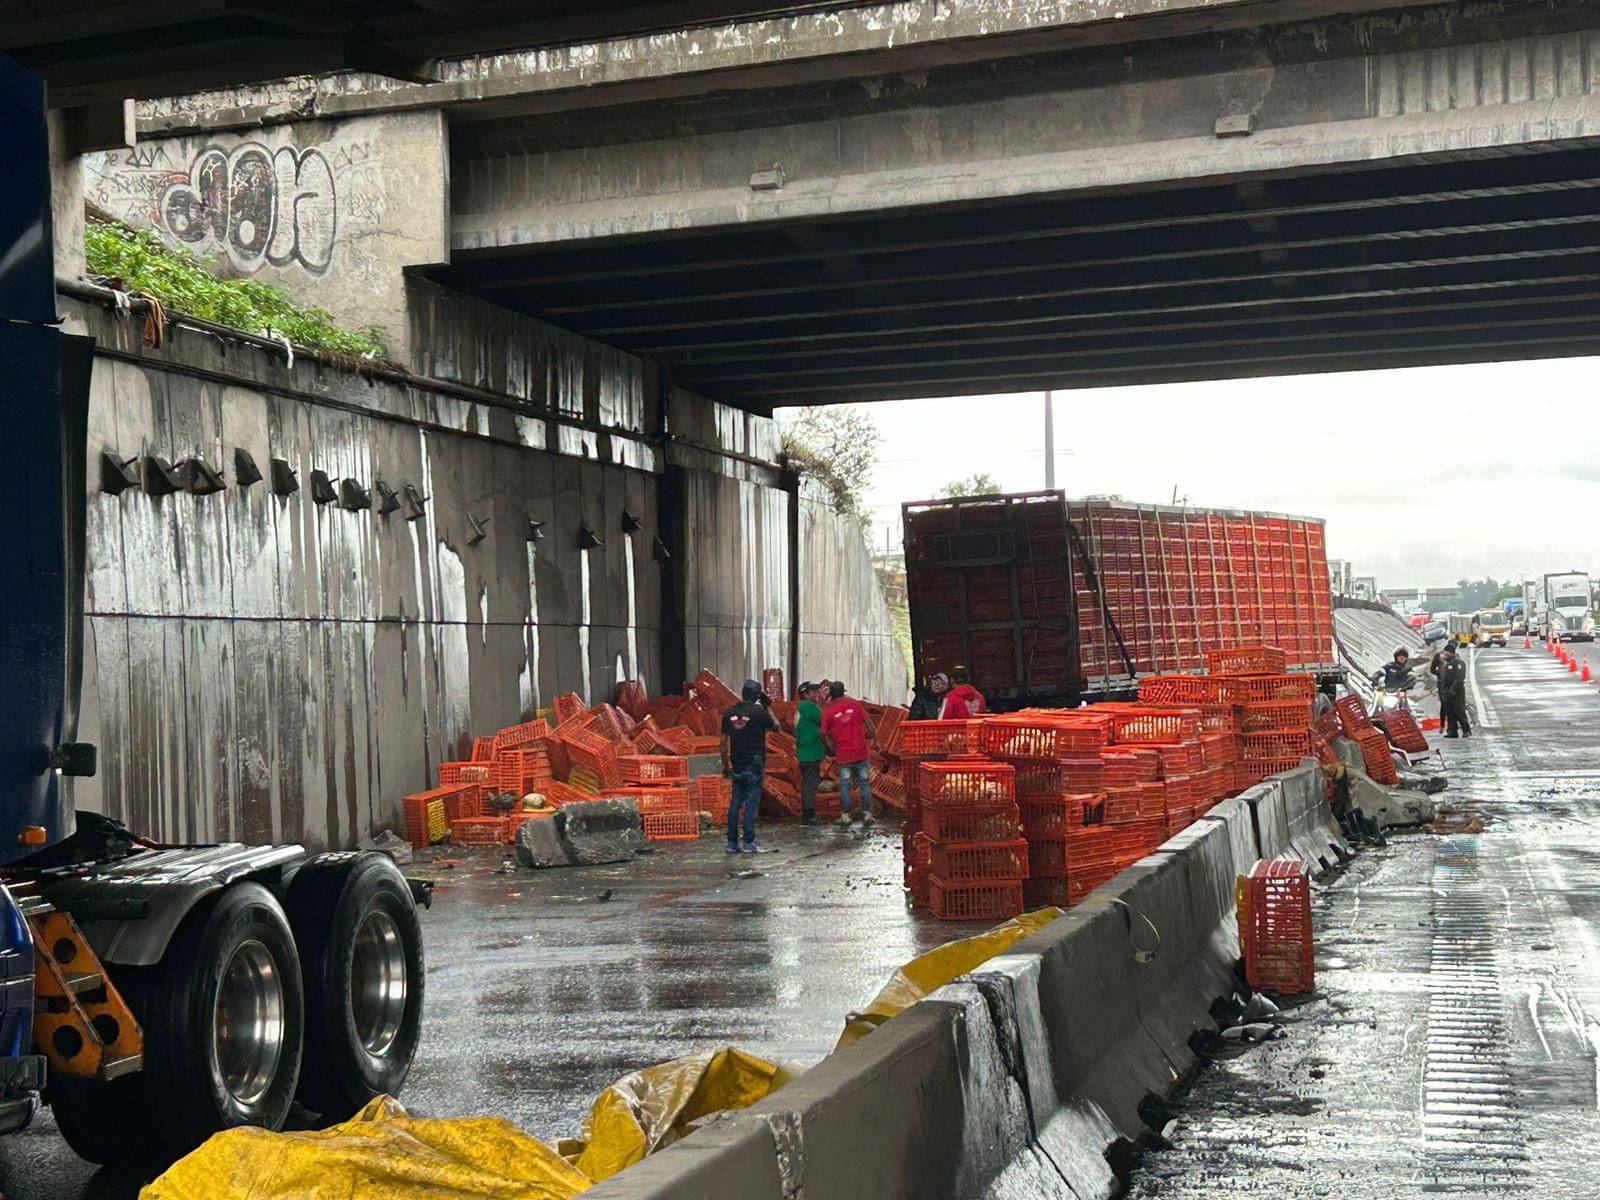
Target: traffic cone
point(1572, 664)
point(1527, 642)
point(1586, 677)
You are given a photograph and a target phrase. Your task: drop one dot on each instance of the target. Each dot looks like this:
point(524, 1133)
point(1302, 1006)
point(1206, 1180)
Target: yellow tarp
point(384, 1153)
point(938, 967)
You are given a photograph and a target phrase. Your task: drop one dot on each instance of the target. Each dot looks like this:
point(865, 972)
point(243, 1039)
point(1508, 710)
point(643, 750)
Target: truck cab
point(1568, 607)
point(1494, 627)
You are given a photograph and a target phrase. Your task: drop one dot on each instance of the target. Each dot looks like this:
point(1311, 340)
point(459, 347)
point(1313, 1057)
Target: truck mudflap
point(129, 909)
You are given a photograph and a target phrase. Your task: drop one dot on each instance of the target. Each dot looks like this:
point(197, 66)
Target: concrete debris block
point(1388, 807)
point(388, 842)
point(584, 834)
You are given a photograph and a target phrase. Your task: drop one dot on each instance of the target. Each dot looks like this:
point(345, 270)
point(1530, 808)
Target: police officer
point(1453, 694)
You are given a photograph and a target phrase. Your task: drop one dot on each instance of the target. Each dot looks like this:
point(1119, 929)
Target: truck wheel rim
point(249, 1022)
point(378, 982)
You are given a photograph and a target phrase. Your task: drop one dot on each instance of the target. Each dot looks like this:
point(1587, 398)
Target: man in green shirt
point(809, 750)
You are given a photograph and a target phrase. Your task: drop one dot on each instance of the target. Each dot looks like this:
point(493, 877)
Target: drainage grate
point(1473, 1141)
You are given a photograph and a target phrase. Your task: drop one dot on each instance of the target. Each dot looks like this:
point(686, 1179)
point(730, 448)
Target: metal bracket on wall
point(535, 531)
point(117, 475)
point(353, 497)
point(630, 523)
point(200, 478)
point(414, 502)
point(322, 489)
point(659, 551)
point(160, 477)
point(284, 482)
point(388, 498)
point(478, 529)
point(588, 539)
point(245, 471)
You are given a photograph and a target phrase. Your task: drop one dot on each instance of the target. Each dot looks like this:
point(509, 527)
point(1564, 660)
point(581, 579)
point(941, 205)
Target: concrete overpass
point(894, 201)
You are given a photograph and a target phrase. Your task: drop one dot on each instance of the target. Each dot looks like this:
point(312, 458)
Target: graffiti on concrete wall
point(249, 203)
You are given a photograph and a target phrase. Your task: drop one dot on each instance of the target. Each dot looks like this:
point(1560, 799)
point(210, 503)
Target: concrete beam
point(1149, 119)
point(697, 54)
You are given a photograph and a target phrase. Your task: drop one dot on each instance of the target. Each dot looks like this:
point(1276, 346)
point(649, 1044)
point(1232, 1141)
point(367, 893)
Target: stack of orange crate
point(660, 786)
point(1060, 780)
point(977, 858)
point(915, 743)
point(1275, 710)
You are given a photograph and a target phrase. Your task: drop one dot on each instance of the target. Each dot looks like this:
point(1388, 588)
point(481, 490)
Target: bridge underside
point(1495, 256)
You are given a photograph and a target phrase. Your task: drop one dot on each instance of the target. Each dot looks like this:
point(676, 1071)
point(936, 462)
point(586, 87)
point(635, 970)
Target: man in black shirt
point(744, 760)
point(1453, 694)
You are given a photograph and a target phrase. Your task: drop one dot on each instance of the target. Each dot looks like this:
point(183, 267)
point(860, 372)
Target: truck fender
point(129, 909)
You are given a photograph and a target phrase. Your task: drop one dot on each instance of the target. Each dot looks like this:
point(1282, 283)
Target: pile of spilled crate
point(1085, 792)
point(637, 748)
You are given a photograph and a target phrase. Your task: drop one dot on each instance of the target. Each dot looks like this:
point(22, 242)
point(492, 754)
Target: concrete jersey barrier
point(1014, 1080)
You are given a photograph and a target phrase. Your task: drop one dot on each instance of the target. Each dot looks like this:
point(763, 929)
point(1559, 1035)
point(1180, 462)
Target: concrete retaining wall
point(274, 668)
point(1017, 1079)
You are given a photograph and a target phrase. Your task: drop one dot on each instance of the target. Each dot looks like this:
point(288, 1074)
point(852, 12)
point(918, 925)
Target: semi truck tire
point(223, 1017)
point(361, 958)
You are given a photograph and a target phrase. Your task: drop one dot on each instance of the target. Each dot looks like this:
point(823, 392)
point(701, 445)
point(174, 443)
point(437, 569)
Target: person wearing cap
point(962, 701)
point(848, 733)
point(1453, 694)
point(744, 760)
point(810, 751)
point(1396, 675)
point(928, 700)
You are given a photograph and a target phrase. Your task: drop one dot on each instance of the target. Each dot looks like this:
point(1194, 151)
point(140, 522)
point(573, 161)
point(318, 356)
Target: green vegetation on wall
point(138, 261)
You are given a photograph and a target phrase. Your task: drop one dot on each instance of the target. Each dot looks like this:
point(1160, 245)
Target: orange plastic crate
point(974, 900)
point(568, 707)
point(1247, 660)
point(482, 749)
point(711, 793)
point(478, 831)
point(965, 782)
point(1054, 817)
point(1353, 716)
point(974, 823)
point(1043, 735)
point(653, 768)
point(653, 800)
point(1275, 745)
point(1253, 689)
point(1274, 907)
point(1182, 689)
point(1046, 891)
point(932, 738)
point(672, 826)
point(516, 736)
point(953, 861)
point(1405, 731)
point(1375, 756)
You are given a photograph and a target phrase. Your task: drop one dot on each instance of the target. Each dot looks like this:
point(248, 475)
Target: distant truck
point(1493, 627)
point(1568, 608)
point(1462, 627)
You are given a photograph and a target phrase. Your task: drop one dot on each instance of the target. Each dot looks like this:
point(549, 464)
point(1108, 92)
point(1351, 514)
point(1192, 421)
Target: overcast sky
point(1423, 476)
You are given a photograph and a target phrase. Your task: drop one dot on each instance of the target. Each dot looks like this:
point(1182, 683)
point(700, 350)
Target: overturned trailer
point(1047, 600)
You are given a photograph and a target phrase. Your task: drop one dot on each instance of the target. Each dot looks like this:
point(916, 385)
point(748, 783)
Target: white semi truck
point(1566, 608)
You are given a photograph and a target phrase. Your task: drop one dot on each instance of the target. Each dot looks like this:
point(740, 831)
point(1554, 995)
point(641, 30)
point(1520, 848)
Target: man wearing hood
point(926, 702)
point(744, 760)
point(963, 701)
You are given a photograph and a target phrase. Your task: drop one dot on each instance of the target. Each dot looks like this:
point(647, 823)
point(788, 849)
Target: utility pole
point(1049, 441)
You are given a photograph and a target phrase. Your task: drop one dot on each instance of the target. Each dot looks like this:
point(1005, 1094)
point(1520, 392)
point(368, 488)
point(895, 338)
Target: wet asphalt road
point(539, 993)
point(1451, 1046)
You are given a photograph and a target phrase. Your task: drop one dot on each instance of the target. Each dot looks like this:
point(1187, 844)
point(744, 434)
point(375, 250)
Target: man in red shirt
point(848, 734)
point(963, 700)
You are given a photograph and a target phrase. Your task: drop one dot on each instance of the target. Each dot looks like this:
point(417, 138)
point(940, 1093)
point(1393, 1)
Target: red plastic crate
point(953, 861)
point(1218, 718)
point(1276, 745)
point(1274, 907)
point(1260, 716)
point(974, 823)
point(1180, 759)
point(653, 800)
point(1123, 766)
point(889, 727)
point(889, 789)
point(965, 782)
point(1353, 715)
point(1375, 756)
point(463, 772)
point(595, 753)
point(1138, 725)
point(1247, 660)
point(1055, 816)
point(920, 739)
point(1248, 774)
point(1405, 732)
point(568, 707)
point(1218, 749)
point(652, 768)
point(482, 749)
point(516, 736)
point(478, 831)
point(1181, 689)
point(1255, 689)
point(974, 899)
point(425, 820)
point(1045, 891)
point(917, 876)
point(711, 793)
point(1049, 735)
point(671, 826)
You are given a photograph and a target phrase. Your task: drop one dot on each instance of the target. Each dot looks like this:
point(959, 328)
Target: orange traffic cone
point(1585, 676)
point(1572, 664)
point(1527, 640)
